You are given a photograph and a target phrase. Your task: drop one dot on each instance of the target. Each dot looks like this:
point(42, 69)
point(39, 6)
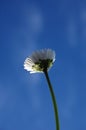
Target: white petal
point(28, 64)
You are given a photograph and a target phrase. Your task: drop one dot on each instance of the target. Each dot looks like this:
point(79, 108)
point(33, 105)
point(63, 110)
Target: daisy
point(40, 61)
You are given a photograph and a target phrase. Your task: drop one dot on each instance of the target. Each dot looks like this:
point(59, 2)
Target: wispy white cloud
point(33, 87)
point(70, 102)
point(83, 34)
point(6, 96)
point(35, 19)
point(27, 34)
point(71, 93)
point(72, 35)
point(3, 97)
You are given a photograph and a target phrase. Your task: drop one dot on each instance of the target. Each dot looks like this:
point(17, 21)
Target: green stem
point(53, 100)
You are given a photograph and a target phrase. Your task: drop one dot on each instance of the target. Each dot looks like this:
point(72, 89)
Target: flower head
point(40, 61)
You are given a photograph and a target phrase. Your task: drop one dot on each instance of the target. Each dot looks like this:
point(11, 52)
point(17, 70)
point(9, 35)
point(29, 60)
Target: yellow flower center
point(42, 65)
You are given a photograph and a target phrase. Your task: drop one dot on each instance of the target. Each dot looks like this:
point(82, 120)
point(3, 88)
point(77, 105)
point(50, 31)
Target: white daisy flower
point(40, 61)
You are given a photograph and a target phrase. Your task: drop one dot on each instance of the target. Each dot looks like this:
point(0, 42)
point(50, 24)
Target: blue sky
point(25, 26)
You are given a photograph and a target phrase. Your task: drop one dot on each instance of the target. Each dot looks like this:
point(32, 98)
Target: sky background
point(29, 25)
